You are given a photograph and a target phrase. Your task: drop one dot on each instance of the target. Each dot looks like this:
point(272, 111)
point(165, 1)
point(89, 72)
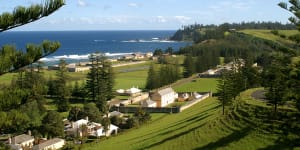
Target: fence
point(125, 109)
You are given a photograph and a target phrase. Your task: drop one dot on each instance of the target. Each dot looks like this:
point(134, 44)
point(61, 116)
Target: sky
point(149, 14)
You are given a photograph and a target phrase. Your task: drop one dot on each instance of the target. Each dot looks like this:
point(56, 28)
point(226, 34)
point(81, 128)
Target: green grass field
point(199, 85)
point(266, 34)
point(200, 127)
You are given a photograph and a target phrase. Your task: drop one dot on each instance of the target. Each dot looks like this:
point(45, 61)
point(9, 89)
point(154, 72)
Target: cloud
point(231, 5)
point(81, 3)
point(161, 19)
point(135, 5)
point(182, 19)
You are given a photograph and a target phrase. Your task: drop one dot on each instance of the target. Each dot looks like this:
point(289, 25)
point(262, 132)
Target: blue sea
point(77, 45)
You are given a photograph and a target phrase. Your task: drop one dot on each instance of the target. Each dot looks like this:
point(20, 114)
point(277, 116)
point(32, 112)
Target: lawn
point(266, 34)
point(200, 127)
point(199, 85)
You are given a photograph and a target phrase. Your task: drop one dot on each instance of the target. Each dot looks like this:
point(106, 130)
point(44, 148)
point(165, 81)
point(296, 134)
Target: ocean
point(77, 45)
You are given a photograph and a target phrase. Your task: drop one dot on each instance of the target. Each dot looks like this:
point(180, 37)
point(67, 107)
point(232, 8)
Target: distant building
point(164, 97)
point(72, 67)
point(52, 144)
point(21, 141)
point(148, 103)
point(183, 97)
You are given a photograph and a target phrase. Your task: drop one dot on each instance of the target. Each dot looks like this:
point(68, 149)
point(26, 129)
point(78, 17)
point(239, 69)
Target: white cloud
point(231, 5)
point(182, 19)
point(81, 3)
point(135, 5)
point(161, 19)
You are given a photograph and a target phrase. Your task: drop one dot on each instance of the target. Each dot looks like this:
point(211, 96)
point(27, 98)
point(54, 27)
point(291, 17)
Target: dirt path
point(259, 95)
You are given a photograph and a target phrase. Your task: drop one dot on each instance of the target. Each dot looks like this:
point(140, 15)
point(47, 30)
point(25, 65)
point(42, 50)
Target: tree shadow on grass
point(235, 136)
point(178, 127)
point(194, 118)
point(282, 143)
point(173, 137)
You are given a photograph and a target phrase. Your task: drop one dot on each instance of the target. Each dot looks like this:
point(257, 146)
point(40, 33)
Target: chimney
point(29, 132)
point(9, 140)
point(87, 118)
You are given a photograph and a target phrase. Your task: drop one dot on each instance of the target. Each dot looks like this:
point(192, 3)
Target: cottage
point(52, 144)
point(164, 97)
point(21, 141)
point(79, 123)
point(115, 113)
point(148, 103)
point(112, 129)
point(133, 91)
point(183, 97)
point(91, 128)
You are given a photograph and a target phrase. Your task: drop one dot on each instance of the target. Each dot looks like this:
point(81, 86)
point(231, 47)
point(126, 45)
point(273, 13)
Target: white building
point(148, 103)
point(52, 144)
point(164, 97)
point(21, 141)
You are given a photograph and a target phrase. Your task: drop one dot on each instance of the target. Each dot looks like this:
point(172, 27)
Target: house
point(164, 97)
point(148, 103)
point(133, 91)
point(77, 124)
point(91, 128)
point(52, 144)
point(115, 113)
point(183, 97)
point(21, 141)
point(112, 129)
point(197, 95)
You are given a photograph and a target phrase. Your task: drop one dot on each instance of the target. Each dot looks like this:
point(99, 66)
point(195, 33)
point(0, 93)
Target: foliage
point(75, 114)
point(141, 116)
point(62, 91)
point(225, 89)
point(116, 120)
point(152, 77)
point(53, 125)
point(199, 32)
point(100, 81)
point(189, 67)
point(92, 112)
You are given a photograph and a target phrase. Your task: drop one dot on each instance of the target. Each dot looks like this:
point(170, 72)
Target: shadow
point(283, 143)
point(179, 126)
point(235, 136)
point(173, 137)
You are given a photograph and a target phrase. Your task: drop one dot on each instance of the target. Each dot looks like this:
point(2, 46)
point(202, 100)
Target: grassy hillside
point(266, 34)
point(199, 85)
point(200, 127)
point(126, 76)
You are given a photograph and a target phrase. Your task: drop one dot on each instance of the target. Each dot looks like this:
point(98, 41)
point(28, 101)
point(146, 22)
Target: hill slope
point(200, 127)
point(266, 34)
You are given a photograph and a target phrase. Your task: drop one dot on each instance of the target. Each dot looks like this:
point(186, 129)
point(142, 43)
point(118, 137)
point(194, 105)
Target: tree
point(13, 59)
point(90, 110)
point(275, 82)
point(224, 90)
point(157, 52)
point(100, 81)
point(294, 74)
point(75, 114)
point(169, 51)
point(63, 92)
point(53, 125)
point(189, 66)
point(151, 78)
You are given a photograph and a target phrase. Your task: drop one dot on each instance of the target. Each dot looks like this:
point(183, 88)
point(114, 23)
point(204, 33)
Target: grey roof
point(22, 138)
point(148, 102)
point(48, 143)
point(165, 91)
